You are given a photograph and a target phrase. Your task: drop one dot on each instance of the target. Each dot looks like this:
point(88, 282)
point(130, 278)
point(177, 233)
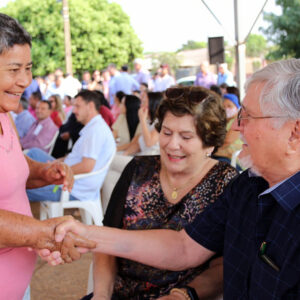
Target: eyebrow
point(20, 65)
point(184, 131)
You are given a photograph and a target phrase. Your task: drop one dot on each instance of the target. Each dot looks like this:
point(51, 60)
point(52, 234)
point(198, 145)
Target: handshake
point(56, 248)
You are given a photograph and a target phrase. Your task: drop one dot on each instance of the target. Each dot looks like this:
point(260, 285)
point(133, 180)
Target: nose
point(174, 142)
point(24, 79)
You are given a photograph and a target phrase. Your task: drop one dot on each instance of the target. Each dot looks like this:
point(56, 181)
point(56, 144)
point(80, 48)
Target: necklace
point(175, 190)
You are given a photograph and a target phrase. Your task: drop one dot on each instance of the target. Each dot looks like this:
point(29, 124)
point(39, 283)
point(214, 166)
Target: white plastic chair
point(91, 210)
point(51, 145)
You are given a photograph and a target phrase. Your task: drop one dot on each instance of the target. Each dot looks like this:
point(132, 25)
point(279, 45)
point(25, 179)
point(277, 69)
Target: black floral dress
point(138, 202)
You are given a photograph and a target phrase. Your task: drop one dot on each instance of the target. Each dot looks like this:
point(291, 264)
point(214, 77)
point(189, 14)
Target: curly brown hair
point(204, 105)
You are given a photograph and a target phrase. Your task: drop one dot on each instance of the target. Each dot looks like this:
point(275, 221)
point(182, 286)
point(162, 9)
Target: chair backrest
point(65, 194)
point(52, 143)
point(116, 168)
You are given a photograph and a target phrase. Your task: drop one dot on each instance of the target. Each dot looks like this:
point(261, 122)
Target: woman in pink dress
point(18, 229)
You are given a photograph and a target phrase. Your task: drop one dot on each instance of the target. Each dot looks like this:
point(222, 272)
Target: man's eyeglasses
point(247, 117)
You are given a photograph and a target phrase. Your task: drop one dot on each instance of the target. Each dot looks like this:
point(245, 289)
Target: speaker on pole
point(216, 50)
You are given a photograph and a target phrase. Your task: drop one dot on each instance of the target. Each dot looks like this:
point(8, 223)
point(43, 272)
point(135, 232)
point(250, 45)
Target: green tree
point(256, 45)
point(100, 33)
point(190, 45)
point(284, 30)
point(169, 58)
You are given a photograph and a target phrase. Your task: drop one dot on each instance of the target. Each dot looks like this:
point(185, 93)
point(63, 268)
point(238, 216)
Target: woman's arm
point(104, 271)
point(133, 148)
point(150, 137)
point(124, 147)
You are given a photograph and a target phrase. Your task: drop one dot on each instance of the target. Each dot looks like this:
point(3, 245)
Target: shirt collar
point(89, 124)
point(286, 192)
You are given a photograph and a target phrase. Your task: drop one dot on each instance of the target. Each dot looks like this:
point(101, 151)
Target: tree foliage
point(256, 45)
point(100, 33)
point(284, 30)
point(169, 58)
point(190, 45)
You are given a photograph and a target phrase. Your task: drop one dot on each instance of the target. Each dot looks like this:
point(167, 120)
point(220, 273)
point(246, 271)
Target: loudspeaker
point(216, 50)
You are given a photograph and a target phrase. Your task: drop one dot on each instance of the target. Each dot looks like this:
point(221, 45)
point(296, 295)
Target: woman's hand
point(143, 113)
point(58, 173)
point(67, 250)
point(174, 296)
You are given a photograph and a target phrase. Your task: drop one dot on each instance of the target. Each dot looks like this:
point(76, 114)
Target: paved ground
point(65, 282)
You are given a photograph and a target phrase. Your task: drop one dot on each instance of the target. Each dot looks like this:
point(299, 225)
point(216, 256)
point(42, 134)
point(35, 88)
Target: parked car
point(186, 81)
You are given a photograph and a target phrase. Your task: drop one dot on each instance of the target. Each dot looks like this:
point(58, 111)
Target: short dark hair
point(202, 104)
point(216, 89)
point(124, 68)
point(37, 95)
point(120, 95)
point(48, 102)
point(90, 96)
point(12, 33)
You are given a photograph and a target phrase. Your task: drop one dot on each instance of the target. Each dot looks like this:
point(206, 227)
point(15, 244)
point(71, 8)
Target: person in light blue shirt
point(125, 82)
point(91, 152)
point(24, 118)
point(225, 76)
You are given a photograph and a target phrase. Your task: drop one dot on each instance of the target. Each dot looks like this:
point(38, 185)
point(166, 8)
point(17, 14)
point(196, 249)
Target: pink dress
point(16, 264)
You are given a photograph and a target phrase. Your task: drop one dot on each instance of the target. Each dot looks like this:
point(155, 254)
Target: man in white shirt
point(164, 81)
point(90, 152)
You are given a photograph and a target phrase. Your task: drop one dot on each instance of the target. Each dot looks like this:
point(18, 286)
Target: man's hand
point(58, 173)
point(66, 250)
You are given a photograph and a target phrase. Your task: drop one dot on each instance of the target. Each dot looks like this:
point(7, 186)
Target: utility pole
point(67, 34)
point(240, 49)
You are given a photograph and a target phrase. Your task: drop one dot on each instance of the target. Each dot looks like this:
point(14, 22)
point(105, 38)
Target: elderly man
point(205, 78)
point(225, 76)
point(141, 76)
point(42, 130)
point(255, 223)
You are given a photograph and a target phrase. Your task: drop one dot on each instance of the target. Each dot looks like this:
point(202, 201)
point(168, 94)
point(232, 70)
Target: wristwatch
point(191, 292)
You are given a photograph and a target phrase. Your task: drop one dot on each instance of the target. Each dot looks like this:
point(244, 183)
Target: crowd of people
point(182, 223)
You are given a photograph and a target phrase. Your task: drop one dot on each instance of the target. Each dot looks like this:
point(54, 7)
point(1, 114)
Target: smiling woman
point(18, 229)
point(168, 191)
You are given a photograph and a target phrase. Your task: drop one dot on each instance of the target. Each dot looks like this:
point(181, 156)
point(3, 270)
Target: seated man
point(42, 130)
point(90, 152)
point(24, 118)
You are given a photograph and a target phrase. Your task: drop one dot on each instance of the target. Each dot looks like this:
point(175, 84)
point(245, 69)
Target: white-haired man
point(225, 76)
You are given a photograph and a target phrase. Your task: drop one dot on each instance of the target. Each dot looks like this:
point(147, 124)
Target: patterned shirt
point(144, 206)
point(239, 223)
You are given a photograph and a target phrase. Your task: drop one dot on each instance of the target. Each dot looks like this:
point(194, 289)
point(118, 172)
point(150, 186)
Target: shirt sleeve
point(208, 228)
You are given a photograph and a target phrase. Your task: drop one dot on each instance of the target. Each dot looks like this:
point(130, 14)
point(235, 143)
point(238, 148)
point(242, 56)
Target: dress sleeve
point(115, 210)
point(208, 228)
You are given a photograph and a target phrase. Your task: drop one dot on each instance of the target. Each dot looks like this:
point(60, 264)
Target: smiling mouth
point(176, 157)
point(14, 94)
